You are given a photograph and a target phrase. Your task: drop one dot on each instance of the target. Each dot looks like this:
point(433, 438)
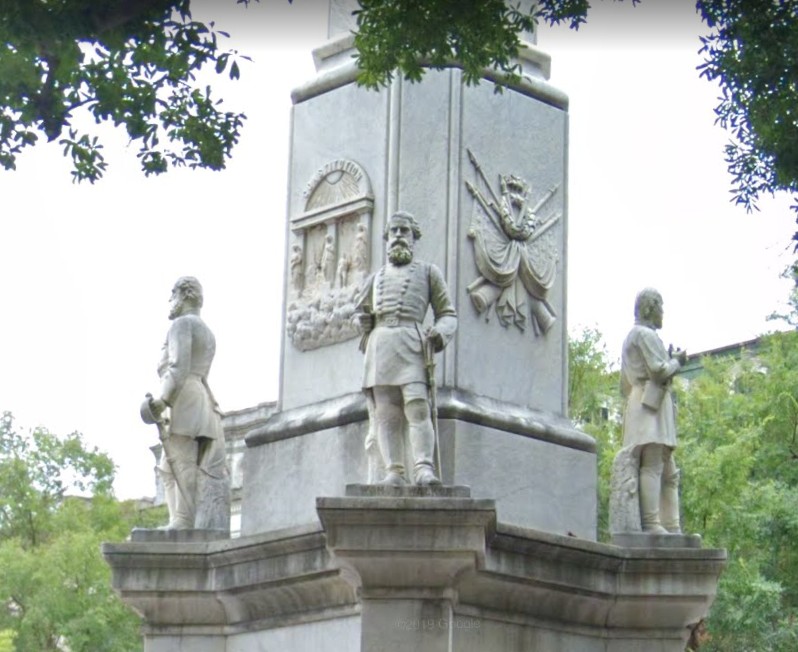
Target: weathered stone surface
point(625, 491)
point(651, 540)
point(147, 535)
point(540, 470)
point(440, 120)
point(408, 491)
point(399, 573)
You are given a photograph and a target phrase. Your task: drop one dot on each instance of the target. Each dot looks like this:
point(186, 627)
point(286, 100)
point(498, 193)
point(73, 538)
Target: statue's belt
point(391, 321)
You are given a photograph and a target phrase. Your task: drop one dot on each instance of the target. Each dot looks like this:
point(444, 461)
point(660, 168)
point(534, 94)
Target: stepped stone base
point(390, 569)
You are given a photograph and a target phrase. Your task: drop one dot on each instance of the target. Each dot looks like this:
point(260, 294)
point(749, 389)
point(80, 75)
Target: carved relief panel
point(515, 250)
point(329, 256)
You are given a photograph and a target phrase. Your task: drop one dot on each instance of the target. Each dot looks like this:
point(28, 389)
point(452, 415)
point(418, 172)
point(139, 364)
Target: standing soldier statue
point(396, 375)
point(193, 465)
point(649, 423)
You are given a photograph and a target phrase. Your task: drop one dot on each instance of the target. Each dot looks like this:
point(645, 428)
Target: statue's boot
point(424, 475)
point(390, 437)
point(181, 508)
point(422, 441)
point(651, 465)
point(376, 465)
point(669, 501)
point(650, 490)
point(169, 489)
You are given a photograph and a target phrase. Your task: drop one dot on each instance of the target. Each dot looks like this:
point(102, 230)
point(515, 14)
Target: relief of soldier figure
point(398, 374)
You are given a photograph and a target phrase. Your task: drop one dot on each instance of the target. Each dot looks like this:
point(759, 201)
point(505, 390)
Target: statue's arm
point(363, 317)
point(442, 308)
point(661, 367)
point(178, 344)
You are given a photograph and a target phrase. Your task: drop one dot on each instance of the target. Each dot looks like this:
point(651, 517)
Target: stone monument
point(193, 465)
point(503, 554)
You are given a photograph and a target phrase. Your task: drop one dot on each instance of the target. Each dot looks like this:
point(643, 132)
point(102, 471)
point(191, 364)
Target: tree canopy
point(129, 62)
point(134, 63)
point(56, 508)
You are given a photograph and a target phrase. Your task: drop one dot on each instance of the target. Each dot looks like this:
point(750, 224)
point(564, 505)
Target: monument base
point(646, 540)
point(408, 491)
point(164, 535)
point(540, 470)
point(429, 573)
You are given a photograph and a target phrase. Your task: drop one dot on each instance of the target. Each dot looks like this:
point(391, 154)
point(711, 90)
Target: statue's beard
point(400, 254)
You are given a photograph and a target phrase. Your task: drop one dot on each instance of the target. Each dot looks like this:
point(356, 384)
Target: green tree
point(56, 508)
point(130, 62)
point(594, 404)
point(737, 447)
point(7, 640)
point(751, 51)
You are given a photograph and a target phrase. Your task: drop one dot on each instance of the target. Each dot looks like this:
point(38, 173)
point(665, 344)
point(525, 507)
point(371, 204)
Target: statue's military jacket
point(644, 361)
point(398, 297)
point(185, 362)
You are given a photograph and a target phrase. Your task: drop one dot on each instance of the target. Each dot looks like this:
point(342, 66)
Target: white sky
point(86, 271)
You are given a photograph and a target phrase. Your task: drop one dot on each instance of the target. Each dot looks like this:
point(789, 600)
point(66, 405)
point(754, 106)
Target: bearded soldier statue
point(392, 307)
point(193, 464)
point(649, 423)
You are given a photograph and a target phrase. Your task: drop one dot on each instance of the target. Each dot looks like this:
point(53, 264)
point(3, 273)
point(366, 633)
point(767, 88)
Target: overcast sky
point(86, 271)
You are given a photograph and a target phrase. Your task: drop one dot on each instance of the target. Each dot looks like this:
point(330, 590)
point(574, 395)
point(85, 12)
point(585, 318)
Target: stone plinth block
point(216, 586)
point(429, 540)
point(437, 573)
point(540, 471)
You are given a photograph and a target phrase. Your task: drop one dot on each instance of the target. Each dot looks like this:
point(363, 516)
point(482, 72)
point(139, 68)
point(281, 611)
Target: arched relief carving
point(329, 256)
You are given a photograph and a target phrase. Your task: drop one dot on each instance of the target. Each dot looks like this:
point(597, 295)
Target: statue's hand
point(365, 321)
point(158, 407)
point(678, 355)
point(436, 338)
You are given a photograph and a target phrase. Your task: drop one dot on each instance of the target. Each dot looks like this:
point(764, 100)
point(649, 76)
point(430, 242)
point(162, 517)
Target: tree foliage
point(56, 508)
point(738, 424)
point(594, 403)
point(129, 62)
point(751, 51)
point(406, 36)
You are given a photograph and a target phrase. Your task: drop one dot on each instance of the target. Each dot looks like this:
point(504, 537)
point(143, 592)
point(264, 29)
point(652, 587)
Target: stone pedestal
point(409, 569)
point(540, 471)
